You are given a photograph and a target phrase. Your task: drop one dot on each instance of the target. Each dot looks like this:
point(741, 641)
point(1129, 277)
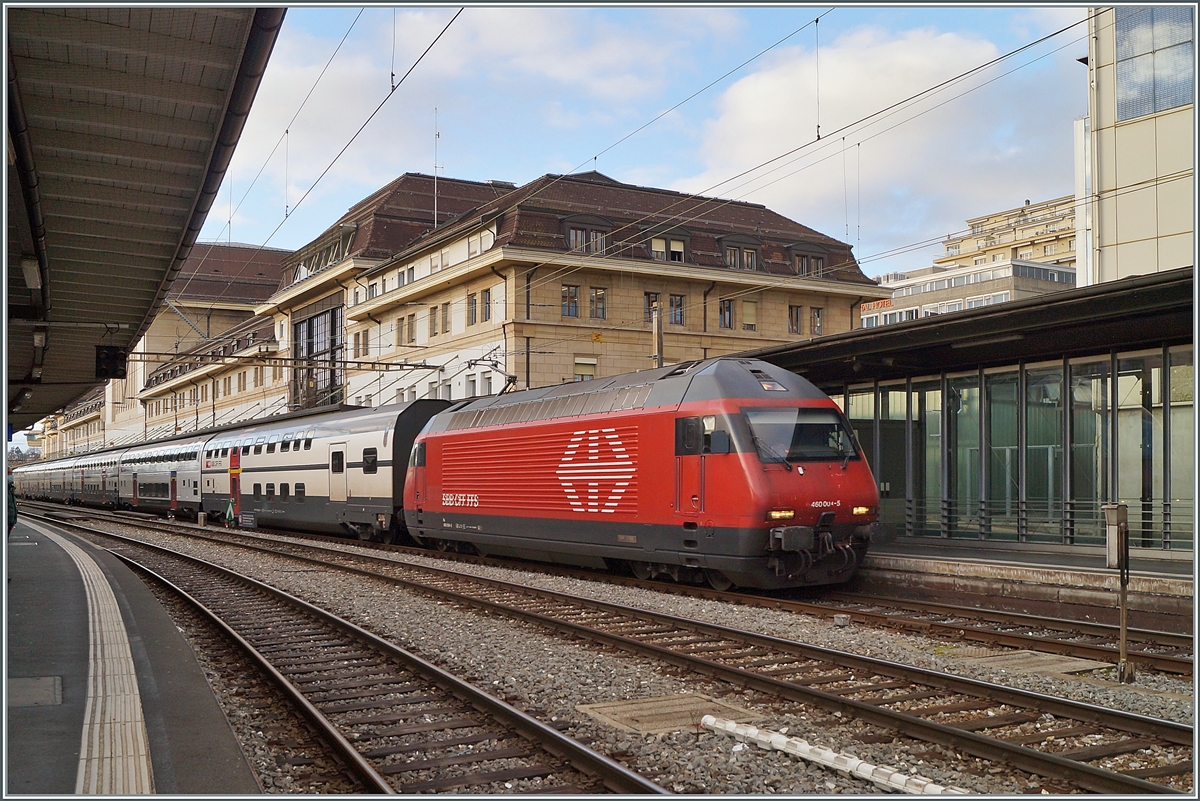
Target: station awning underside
point(121, 124)
point(1131, 314)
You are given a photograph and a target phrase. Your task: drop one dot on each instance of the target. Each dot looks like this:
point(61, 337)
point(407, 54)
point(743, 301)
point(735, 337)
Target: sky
point(513, 93)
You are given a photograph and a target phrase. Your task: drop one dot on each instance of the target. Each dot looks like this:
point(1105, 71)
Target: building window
point(570, 301)
point(676, 305)
point(470, 386)
point(433, 329)
point(1155, 66)
point(587, 240)
point(412, 328)
point(952, 250)
point(666, 249)
point(741, 258)
point(870, 321)
point(725, 314)
point(1025, 254)
point(446, 318)
point(585, 369)
point(1049, 250)
point(471, 308)
point(228, 386)
point(242, 381)
point(733, 258)
point(485, 303)
point(980, 260)
point(598, 303)
point(650, 301)
point(749, 315)
point(814, 321)
point(487, 383)
point(372, 290)
point(357, 350)
point(795, 319)
point(447, 392)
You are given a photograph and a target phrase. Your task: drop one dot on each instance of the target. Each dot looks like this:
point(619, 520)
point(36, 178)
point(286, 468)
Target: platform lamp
point(1116, 520)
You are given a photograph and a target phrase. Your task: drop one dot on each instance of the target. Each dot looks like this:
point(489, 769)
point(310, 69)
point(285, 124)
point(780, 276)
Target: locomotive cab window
point(800, 435)
point(337, 462)
point(370, 460)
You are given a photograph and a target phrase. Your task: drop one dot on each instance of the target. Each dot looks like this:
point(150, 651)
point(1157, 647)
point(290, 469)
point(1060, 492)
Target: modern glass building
point(1015, 423)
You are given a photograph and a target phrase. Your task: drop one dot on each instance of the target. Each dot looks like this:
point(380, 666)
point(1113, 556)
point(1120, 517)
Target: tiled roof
point(233, 273)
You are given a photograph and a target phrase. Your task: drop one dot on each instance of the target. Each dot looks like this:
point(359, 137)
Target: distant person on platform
point(11, 515)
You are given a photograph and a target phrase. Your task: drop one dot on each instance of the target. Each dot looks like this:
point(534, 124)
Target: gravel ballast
point(550, 677)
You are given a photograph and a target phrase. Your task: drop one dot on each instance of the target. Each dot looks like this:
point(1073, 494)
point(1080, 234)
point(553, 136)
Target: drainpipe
point(711, 287)
point(528, 296)
point(852, 307)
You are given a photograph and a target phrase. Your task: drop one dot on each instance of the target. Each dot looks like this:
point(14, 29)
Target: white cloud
point(919, 172)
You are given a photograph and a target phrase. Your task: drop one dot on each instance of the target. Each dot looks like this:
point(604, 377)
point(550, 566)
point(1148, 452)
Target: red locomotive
point(731, 471)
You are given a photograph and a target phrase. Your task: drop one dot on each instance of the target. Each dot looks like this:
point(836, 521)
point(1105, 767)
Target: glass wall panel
point(1043, 454)
point(1091, 396)
point(962, 410)
point(892, 471)
point(1139, 446)
point(927, 458)
point(861, 415)
point(1183, 448)
point(1004, 462)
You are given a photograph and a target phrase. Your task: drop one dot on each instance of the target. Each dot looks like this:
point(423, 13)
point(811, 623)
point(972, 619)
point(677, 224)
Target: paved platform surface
point(1055, 581)
point(104, 695)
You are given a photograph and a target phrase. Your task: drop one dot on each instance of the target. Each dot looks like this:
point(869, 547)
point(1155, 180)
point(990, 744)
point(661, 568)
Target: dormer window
point(587, 240)
point(741, 258)
point(667, 249)
point(741, 252)
point(588, 234)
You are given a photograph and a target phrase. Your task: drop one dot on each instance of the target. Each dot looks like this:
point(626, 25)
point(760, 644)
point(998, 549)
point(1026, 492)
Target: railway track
point(1166, 652)
point(400, 724)
point(1077, 745)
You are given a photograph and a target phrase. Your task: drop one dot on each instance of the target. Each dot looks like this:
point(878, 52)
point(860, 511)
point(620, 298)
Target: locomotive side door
point(689, 466)
point(174, 503)
point(337, 472)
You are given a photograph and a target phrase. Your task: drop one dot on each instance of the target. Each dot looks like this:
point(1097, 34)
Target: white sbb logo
point(595, 470)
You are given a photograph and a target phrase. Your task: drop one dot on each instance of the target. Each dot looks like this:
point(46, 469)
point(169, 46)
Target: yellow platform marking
point(114, 756)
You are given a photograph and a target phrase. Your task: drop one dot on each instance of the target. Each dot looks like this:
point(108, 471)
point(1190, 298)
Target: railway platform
point(1048, 580)
point(104, 695)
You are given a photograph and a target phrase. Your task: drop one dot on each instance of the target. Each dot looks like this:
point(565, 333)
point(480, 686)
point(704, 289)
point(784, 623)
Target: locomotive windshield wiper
point(762, 446)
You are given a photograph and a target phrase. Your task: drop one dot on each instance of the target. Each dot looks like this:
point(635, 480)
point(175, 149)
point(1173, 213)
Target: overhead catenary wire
point(858, 144)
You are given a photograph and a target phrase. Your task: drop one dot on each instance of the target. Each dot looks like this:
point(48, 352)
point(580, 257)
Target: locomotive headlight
point(863, 510)
point(781, 514)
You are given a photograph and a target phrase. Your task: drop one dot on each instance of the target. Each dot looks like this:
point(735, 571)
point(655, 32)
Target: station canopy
point(121, 124)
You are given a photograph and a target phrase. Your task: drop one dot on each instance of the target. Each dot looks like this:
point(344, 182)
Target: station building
point(560, 280)
point(1014, 423)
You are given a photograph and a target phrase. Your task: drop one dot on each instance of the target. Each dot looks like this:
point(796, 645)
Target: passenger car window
point(370, 460)
point(299, 493)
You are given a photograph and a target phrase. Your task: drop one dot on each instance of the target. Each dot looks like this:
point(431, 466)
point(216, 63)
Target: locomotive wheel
point(640, 570)
point(717, 580)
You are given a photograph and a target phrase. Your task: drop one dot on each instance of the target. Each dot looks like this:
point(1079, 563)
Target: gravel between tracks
point(550, 677)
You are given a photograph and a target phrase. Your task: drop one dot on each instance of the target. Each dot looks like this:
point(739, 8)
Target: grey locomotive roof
point(709, 379)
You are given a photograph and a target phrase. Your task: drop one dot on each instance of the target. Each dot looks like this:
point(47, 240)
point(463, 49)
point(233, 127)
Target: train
point(725, 471)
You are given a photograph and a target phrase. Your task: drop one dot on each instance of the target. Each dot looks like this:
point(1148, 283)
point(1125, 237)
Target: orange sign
point(876, 304)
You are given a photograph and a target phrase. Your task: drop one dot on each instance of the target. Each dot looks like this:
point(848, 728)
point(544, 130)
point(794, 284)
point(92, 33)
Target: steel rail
point(1037, 762)
point(366, 773)
point(614, 775)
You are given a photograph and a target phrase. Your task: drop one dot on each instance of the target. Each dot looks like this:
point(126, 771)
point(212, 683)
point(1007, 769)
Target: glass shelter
point(1017, 422)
